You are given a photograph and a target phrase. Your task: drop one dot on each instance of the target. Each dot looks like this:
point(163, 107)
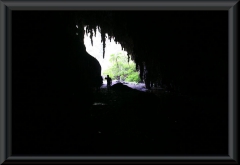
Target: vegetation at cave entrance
point(121, 69)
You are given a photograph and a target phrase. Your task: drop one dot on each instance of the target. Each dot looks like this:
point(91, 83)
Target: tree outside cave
point(122, 70)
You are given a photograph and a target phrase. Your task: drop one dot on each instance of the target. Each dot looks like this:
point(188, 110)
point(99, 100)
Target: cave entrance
point(115, 63)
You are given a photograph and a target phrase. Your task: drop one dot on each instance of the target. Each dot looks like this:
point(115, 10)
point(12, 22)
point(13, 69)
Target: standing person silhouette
point(109, 81)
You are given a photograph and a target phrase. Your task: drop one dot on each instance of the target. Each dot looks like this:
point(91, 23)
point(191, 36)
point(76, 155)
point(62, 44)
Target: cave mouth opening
point(115, 62)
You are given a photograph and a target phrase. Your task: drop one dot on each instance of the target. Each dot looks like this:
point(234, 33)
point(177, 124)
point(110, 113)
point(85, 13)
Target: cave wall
point(188, 49)
point(53, 77)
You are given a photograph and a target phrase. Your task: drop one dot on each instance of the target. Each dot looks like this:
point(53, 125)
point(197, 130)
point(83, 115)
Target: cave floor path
point(128, 121)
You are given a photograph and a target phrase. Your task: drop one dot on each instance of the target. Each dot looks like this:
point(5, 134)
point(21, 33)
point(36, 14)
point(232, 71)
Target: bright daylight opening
point(115, 63)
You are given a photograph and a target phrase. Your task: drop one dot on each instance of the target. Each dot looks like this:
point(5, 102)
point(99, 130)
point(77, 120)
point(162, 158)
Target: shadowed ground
point(124, 121)
point(156, 122)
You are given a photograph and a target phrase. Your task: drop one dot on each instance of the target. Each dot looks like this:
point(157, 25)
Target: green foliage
point(121, 69)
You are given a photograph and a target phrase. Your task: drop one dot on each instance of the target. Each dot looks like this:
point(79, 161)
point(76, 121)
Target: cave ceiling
point(148, 36)
point(152, 37)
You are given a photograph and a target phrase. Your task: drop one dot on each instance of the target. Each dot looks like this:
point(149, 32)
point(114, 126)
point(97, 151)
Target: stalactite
point(103, 35)
point(103, 21)
point(128, 57)
point(91, 35)
point(95, 29)
point(141, 71)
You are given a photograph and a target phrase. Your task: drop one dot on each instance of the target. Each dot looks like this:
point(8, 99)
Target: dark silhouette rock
point(53, 81)
point(120, 86)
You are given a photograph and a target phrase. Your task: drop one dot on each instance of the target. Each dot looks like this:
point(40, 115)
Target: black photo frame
point(7, 6)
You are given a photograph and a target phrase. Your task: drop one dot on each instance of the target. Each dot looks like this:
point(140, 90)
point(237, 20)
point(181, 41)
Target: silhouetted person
point(109, 81)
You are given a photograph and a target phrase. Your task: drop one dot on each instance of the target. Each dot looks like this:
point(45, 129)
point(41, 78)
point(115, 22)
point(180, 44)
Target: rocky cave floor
point(126, 121)
point(131, 122)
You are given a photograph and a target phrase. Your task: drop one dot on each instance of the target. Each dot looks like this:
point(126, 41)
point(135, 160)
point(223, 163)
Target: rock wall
point(53, 76)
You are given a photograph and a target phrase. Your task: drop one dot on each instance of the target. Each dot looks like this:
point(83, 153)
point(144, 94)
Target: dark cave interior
point(53, 79)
